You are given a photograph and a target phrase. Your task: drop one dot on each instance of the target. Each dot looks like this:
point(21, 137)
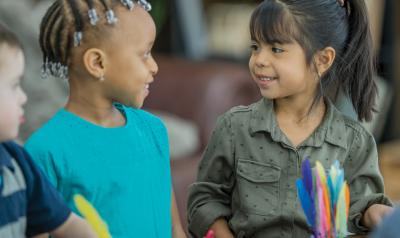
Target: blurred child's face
point(131, 67)
point(281, 71)
point(12, 97)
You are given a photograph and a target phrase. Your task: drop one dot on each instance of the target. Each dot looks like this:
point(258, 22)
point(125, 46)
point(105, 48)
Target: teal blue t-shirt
point(124, 172)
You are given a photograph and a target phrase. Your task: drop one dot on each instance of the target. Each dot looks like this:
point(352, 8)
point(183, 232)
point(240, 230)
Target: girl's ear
point(324, 59)
point(94, 61)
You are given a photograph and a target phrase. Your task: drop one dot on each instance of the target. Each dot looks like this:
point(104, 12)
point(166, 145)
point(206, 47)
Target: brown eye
point(277, 50)
point(254, 46)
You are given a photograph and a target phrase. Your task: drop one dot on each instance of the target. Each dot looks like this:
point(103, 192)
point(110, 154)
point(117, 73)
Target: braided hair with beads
point(63, 26)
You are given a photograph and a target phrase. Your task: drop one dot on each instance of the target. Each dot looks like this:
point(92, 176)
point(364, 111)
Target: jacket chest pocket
point(258, 186)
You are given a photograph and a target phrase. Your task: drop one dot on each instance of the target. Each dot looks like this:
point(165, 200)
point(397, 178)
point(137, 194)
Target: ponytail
point(356, 67)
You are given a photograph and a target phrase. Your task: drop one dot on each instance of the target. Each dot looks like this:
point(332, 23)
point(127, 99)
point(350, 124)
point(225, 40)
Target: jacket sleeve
point(210, 196)
point(364, 178)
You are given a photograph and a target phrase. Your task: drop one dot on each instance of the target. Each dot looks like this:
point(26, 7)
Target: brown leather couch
point(199, 92)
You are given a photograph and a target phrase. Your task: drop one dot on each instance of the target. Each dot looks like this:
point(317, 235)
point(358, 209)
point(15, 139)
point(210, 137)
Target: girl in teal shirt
point(101, 145)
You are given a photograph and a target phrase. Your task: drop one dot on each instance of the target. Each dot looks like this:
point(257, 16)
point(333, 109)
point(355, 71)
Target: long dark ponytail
point(356, 67)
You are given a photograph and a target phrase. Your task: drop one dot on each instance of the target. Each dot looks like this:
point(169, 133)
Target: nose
point(153, 67)
point(23, 98)
point(262, 59)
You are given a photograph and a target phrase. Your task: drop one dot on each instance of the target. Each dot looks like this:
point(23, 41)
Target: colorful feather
point(307, 176)
point(341, 215)
point(90, 214)
point(325, 199)
point(305, 202)
point(321, 221)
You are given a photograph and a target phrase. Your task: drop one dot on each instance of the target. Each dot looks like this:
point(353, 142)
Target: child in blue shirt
point(29, 204)
point(101, 145)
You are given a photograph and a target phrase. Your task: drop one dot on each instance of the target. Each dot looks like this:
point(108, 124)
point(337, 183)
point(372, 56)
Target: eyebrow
point(273, 42)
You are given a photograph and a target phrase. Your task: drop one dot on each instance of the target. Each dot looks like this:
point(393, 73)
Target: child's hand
point(221, 229)
point(210, 234)
point(178, 233)
point(374, 214)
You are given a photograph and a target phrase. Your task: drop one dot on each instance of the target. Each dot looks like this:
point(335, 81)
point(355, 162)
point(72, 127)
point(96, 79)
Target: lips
point(147, 89)
point(265, 81)
point(265, 77)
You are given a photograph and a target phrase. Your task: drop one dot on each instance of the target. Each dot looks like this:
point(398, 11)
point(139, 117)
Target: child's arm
point(221, 229)
point(368, 203)
point(46, 210)
point(374, 215)
point(74, 227)
point(210, 196)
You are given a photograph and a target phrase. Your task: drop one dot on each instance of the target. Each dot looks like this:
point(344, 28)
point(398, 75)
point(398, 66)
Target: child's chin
point(267, 96)
point(137, 104)
point(9, 136)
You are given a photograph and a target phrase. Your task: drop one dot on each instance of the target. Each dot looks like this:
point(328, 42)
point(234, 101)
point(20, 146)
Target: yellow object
point(92, 216)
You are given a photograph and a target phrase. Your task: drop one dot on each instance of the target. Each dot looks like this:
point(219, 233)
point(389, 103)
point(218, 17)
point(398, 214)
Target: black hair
point(63, 25)
point(8, 37)
point(317, 24)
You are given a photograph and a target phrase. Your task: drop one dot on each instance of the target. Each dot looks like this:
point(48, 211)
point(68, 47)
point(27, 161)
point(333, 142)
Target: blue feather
point(332, 204)
point(307, 175)
point(306, 202)
point(332, 192)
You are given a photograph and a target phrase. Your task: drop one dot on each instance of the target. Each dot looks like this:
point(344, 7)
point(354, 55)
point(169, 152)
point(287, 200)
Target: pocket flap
point(258, 172)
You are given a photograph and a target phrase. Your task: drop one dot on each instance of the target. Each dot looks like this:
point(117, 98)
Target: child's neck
point(296, 120)
point(100, 113)
point(298, 109)
point(88, 102)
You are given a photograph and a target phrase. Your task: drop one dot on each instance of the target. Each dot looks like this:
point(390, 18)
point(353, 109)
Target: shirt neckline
point(83, 121)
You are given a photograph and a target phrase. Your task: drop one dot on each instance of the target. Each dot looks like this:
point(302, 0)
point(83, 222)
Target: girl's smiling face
point(281, 70)
point(119, 64)
point(130, 65)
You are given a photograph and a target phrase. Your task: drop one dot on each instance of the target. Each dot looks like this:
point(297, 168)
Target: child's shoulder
point(243, 110)
point(344, 125)
point(246, 112)
point(55, 123)
point(52, 130)
point(143, 116)
point(10, 150)
point(350, 124)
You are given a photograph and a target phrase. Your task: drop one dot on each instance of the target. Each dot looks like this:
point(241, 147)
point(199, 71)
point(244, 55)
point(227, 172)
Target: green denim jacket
point(248, 173)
